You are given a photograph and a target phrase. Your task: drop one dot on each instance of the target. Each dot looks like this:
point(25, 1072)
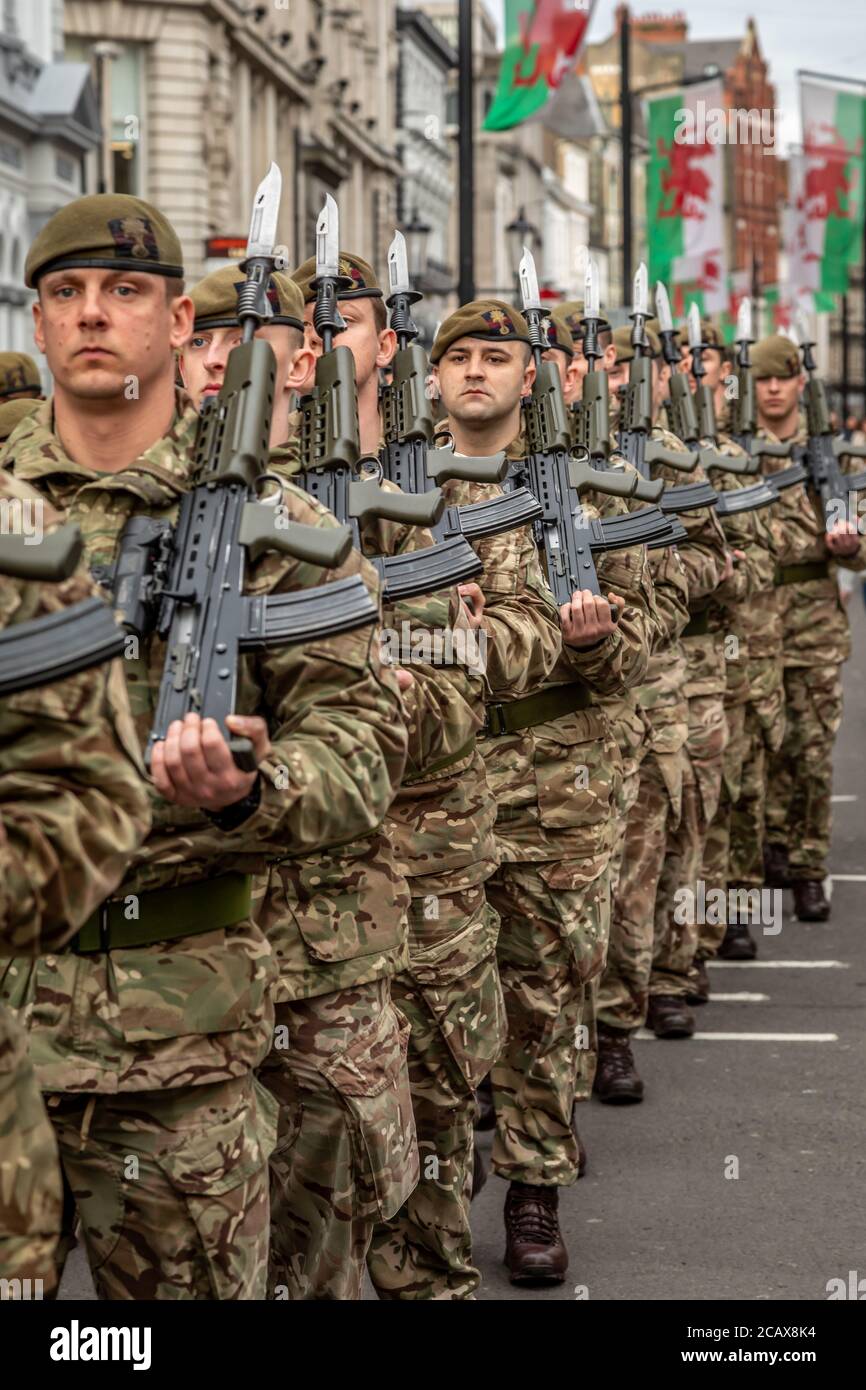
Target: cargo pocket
point(372, 1079)
point(458, 978)
point(576, 773)
point(228, 1160)
point(331, 898)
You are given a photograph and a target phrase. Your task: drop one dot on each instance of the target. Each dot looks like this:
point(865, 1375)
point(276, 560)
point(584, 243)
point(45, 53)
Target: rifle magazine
point(427, 571)
point(499, 514)
point(322, 612)
point(60, 644)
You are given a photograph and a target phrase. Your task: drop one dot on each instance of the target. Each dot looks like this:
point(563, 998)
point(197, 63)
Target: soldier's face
point(661, 377)
point(568, 372)
point(481, 381)
point(204, 359)
point(581, 366)
point(617, 377)
point(370, 348)
point(778, 397)
point(712, 363)
point(102, 330)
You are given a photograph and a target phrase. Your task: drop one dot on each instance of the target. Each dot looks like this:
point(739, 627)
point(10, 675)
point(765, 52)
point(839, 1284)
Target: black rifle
point(331, 451)
point(46, 649)
point(410, 458)
point(198, 576)
point(680, 405)
point(559, 477)
point(705, 407)
point(819, 460)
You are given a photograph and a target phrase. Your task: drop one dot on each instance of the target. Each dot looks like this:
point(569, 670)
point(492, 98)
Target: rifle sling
point(441, 765)
point(541, 708)
point(167, 914)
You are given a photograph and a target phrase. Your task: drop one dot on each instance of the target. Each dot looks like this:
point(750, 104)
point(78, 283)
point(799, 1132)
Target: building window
point(126, 76)
point(64, 168)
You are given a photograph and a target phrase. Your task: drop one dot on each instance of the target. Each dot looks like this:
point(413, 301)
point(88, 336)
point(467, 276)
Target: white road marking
point(844, 798)
point(848, 878)
point(644, 1035)
point(743, 998)
point(778, 965)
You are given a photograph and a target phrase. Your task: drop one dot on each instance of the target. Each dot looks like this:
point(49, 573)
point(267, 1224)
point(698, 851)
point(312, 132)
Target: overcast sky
point(824, 35)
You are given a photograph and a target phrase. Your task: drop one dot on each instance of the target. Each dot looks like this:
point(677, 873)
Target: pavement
point(742, 1174)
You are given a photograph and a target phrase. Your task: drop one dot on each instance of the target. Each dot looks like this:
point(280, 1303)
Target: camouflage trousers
point(800, 777)
point(171, 1188)
point(452, 997)
point(552, 943)
point(717, 845)
point(748, 818)
point(346, 1155)
point(587, 1061)
point(31, 1189)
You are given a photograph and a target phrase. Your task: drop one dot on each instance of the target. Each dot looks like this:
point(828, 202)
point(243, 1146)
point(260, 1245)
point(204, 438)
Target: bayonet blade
point(591, 297)
point(266, 211)
point(663, 309)
point(640, 295)
point(529, 280)
point(398, 265)
point(800, 329)
point(328, 240)
point(694, 323)
point(744, 321)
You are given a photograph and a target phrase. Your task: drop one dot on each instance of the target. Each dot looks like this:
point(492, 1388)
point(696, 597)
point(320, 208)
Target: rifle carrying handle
point(54, 557)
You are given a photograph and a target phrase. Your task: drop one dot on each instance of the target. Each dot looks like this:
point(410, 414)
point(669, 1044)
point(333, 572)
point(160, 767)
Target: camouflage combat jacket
point(815, 627)
point(555, 782)
point(198, 1009)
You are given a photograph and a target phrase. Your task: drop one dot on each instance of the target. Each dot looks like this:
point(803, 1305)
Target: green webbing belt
point(167, 914)
point(432, 769)
point(698, 625)
point(801, 574)
point(536, 709)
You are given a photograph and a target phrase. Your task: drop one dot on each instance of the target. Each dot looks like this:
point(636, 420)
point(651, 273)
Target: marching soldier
point(19, 378)
point(73, 810)
point(816, 643)
point(146, 1031)
point(553, 765)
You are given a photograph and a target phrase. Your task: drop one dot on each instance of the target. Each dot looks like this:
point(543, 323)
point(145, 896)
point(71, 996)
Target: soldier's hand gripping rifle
point(557, 476)
point(738, 500)
point(46, 649)
point(331, 448)
point(636, 412)
point(409, 457)
point(203, 616)
point(820, 459)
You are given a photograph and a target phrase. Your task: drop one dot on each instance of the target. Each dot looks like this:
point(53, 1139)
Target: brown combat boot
point(810, 903)
point(534, 1249)
point(699, 982)
point(669, 1016)
point(616, 1078)
point(777, 871)
point(738, 943)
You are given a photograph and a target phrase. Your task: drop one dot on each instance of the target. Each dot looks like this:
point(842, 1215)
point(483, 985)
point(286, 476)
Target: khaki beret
point(483, 318)
point(557, 332)
point(775, 356)
point(711, 337)
point(622, 343)
point(18, 372)
point(572, 313)
point(216, 299)
point(355, 268)
point(11, 415)
point(106, 231)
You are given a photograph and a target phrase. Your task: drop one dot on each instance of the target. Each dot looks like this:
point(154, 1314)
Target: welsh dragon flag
point(542, 41)
point(827, 190)
point(685, 195)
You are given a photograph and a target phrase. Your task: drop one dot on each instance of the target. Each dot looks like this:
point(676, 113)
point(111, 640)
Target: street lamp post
point(417, 234)
point(520, 233)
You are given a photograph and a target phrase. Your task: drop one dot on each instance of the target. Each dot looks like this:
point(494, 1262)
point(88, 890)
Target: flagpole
point(625, 133)
point(466, 155)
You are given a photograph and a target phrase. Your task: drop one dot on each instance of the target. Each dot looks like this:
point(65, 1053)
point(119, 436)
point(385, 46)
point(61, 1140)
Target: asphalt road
point(655, 1216)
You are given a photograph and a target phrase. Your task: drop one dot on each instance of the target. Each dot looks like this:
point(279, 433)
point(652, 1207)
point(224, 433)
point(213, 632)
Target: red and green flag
point(542, 41)
point(827, 192)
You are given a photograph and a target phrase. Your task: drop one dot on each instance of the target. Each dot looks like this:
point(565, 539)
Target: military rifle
point(75, 638)
point(410, 457)
point(745, 413)
point(680, 405)
point(559, 477)
point(331, 450)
